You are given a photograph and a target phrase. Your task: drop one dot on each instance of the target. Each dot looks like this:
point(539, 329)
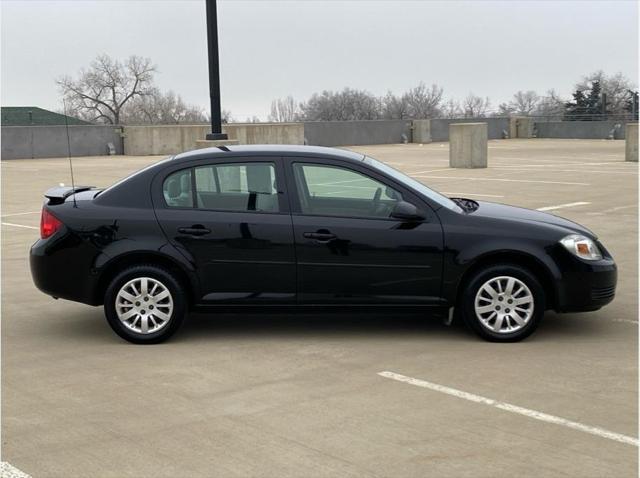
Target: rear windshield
point(134, 174)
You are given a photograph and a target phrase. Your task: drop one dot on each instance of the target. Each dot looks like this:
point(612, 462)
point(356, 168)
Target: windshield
point(413, 184)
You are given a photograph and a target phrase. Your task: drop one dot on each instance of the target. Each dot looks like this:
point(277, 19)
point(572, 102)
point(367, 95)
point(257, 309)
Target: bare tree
point(525, 102)
point(348, 104)
point(284, 110)
point(395, 107)
point(451, 109)
point(161, 108)
point(505, 109)
point(550, 105)
point(101, 92)
point(227, 116)
point(474, 106)
point(424, 102)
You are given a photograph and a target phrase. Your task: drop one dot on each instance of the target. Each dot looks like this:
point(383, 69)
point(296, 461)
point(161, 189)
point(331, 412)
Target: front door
point(232, 221)
point(350, 250)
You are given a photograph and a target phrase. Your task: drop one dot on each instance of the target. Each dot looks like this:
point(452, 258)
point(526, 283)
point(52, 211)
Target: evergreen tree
point(586, 107)
point(576, 110)
point(631, 105)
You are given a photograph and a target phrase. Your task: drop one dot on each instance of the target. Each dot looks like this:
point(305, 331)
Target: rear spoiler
point(59, 194)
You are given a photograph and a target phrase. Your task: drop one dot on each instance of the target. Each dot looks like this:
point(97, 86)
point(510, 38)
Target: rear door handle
point(196, 230)
point(319, 236)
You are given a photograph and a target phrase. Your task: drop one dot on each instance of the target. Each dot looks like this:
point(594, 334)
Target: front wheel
point(144, 304)
point(503, 303)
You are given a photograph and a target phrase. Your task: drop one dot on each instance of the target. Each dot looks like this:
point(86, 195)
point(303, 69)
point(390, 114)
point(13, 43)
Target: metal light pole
point(214, 71)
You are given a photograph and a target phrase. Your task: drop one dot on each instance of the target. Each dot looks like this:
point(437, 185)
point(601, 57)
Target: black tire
point(482, 276)
point(166, 279)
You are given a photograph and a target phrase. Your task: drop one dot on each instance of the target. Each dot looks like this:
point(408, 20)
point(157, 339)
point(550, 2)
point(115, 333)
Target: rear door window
point(237, 187)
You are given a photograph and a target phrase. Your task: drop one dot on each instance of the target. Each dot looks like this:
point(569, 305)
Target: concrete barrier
point(173, 139)
point(495, 127)
point(26, 142)
point(631, 142)
point(580, 129)
point(468, 145)
point(521, 127)
point(214, 143)
point(266, 133)
point(421, 131)
point(162, 139)
point(352, 133)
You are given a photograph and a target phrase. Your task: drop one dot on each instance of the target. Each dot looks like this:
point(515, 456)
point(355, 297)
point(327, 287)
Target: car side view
point(308, 226)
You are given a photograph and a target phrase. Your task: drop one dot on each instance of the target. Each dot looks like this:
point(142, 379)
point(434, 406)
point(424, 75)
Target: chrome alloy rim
point(504, 304)
point(144, 305)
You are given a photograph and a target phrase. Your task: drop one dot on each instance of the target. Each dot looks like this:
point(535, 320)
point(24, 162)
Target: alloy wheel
point(504, 304)
point(144, 305)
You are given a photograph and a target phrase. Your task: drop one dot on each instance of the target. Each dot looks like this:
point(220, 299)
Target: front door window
point(335, 191)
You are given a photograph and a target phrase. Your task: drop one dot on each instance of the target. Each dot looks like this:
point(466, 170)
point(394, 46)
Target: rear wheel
point(503, 303)
point(144, 304)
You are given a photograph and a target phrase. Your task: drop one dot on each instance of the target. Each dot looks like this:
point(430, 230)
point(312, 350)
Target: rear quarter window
point(177, 189)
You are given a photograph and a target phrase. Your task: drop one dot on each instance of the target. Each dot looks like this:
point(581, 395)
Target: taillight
point(49, 224)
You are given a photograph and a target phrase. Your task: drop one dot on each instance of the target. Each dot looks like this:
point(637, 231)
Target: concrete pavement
point(300, 395)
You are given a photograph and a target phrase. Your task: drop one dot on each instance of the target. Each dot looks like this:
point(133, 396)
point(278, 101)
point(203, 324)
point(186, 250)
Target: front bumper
point(585, 285)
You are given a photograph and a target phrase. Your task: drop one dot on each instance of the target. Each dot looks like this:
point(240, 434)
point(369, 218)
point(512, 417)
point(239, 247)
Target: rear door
point(349, 249)
point(231, 219)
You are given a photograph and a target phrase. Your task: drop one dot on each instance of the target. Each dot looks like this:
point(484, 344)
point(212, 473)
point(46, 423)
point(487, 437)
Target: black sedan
point(308, 226)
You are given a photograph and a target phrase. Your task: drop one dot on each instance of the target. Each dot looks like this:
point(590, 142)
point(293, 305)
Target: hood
point(503, 211)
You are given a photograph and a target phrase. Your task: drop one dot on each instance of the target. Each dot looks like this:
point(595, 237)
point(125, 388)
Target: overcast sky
point(271, 49)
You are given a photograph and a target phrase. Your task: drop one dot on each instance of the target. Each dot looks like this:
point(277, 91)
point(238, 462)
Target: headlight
point(582, 247)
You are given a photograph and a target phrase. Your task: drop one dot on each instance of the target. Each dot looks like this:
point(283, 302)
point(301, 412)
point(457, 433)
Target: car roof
point(283, 150)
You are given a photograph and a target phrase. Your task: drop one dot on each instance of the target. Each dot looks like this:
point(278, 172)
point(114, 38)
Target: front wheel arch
point(537, 268)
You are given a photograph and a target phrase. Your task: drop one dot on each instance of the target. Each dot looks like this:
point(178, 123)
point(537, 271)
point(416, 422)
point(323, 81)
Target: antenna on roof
point(66, 123)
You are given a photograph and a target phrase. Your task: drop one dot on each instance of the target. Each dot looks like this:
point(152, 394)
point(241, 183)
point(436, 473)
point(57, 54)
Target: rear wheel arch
point(117, 265)
point(527, 261)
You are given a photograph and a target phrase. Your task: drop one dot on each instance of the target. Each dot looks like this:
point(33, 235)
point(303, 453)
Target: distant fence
point(51, 141)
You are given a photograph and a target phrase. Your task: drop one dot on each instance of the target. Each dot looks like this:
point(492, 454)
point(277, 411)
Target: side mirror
point(406, 211)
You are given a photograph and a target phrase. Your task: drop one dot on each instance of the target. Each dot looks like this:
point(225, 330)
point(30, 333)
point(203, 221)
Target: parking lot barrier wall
point(27, 142)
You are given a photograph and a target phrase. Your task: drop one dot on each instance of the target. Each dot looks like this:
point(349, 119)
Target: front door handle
point(196, 230)
point(319, 236)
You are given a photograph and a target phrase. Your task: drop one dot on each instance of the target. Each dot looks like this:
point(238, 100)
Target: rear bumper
point(587, 286)
point(60, 272)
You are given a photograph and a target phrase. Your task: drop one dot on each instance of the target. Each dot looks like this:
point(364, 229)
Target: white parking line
point(619, 208)
point(19, 225)
point(21, 213)
point(601, 432)
point(9, 471)
point(553, 170)
point(503, 179)
point(413, 173)
point(627, 321)
point(562, 206)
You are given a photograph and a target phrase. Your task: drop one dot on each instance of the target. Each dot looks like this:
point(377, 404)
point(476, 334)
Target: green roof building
point(34, 116)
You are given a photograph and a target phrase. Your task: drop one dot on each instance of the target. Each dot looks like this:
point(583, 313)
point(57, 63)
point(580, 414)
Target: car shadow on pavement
point(329, 324)
point(91, 325)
